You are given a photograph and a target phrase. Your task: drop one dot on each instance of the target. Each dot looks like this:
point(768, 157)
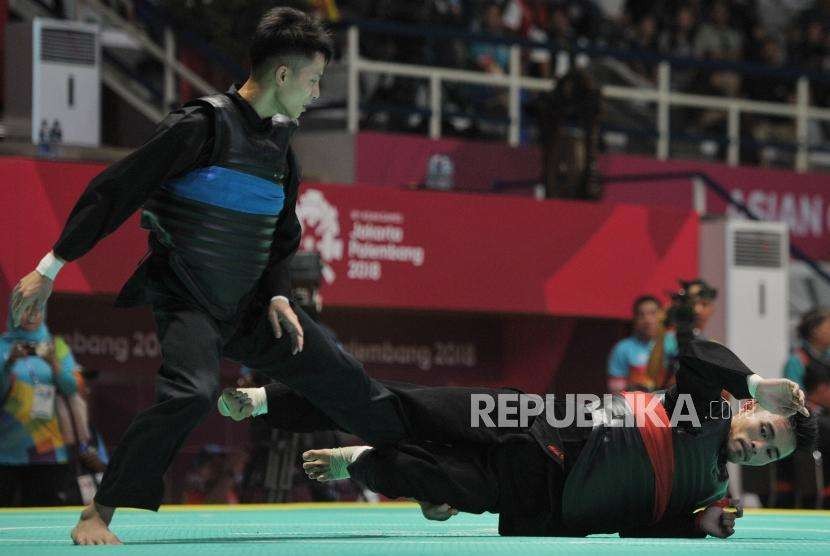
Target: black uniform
point(541, 480)
point(218, 186)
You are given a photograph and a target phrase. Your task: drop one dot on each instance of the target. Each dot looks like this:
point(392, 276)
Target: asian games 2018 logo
point(321, 229)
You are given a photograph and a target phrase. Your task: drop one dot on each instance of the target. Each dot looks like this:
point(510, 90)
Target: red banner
point(800, 200)
point(403, 249)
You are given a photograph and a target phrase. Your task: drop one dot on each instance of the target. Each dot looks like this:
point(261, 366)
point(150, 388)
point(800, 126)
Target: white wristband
point(752, 382)
point(280, 297)
point(50, 265)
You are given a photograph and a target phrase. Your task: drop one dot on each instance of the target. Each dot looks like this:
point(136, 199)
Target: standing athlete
point(218, 185)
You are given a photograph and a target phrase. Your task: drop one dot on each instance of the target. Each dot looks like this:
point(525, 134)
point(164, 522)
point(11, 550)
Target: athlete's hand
point(781, 396)
point(29, 297)
point(719, 522)
point(285, 321)
point(437, 512)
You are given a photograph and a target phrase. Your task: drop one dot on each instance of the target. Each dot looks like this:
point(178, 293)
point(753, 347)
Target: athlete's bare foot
point(331, 464)
point(93, 526)
point(436, 512)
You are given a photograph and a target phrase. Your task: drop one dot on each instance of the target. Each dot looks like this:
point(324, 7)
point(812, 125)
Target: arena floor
point(361, 529)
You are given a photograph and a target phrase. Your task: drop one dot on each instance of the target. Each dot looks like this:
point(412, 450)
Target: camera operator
point(35, 371)
point(568, 118)
point(691, 307)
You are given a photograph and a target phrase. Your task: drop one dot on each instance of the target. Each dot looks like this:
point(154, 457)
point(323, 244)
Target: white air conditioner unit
point(748, 262)
point(53, 79)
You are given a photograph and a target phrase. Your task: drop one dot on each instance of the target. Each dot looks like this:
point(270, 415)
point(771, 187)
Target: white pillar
point(435, 107)
point(733, 133)
point(802, 138)
point(663, 127)
point(353, 92)
point(514, 96)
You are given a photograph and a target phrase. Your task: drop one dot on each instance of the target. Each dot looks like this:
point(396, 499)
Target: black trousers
point(444, 459)
point(192, 344)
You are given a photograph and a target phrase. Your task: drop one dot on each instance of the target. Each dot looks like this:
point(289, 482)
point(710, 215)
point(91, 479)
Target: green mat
point(363, 529)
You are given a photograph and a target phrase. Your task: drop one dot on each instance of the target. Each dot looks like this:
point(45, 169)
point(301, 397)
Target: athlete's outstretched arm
point(706, 368)
point(182, 142)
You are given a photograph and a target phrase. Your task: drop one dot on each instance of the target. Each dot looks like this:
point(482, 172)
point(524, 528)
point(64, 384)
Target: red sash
point(658, 443)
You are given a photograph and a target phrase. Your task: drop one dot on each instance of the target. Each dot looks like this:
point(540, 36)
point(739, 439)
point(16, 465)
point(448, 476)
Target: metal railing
point(664, 99)
point(660, 96)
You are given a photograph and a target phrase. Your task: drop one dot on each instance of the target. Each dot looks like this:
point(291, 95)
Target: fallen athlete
point(544, 480)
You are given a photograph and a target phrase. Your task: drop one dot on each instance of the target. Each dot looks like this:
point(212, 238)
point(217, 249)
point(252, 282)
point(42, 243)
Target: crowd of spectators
point(767, 34)
point(775, 34)
point(795, 33)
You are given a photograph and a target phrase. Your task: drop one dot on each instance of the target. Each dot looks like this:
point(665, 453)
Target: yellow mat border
point(336, 506)
point(236, 507)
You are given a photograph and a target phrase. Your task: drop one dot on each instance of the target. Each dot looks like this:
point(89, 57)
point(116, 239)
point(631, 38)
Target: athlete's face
point(758, 437)
point(298, 84)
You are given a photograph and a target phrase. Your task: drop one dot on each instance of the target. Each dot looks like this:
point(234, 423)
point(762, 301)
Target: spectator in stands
point(561, 33)
point(530, 20)
point(771, 129)
point(488, 56)
point(819, 11)
point(678, 41)
point(492, 58)
point(811, 50)
point(645, 39)
point(36, 369)
point(636, 10)
point(450, 53)
point(717, 39)
point(777, 16)
point(627, 365)
point(812, 355)
point(679, 37)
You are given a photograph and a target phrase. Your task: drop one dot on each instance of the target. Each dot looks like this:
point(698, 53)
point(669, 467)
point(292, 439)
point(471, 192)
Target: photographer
point(691, 307)
point(34, 371)
point(568, 119)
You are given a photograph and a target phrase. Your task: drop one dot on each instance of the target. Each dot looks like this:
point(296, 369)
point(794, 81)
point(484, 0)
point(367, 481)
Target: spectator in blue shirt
point(628, 363)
